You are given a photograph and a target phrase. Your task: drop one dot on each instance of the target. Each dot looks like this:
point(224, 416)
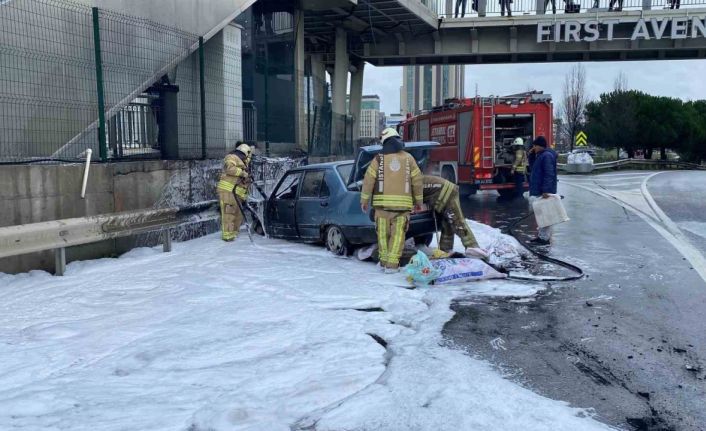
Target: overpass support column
point(299, 80)
point(340, 134)
point(356, 97)
point(340, 73)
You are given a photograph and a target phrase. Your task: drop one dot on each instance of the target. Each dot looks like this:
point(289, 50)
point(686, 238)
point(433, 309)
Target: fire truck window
point(424, 130)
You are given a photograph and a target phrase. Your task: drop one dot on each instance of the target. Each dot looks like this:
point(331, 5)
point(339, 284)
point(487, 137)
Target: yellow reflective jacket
point(234, 176)
point(520, 164)
point(437, 192)
point(394, 181)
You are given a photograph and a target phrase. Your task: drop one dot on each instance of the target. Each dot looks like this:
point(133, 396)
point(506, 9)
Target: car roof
point(408, 145)
point(326, 165)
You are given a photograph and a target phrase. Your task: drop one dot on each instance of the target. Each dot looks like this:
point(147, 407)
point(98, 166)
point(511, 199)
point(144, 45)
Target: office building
point(424, 87)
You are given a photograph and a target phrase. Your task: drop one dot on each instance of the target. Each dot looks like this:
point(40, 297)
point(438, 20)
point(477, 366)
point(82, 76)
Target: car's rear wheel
point(336, 242)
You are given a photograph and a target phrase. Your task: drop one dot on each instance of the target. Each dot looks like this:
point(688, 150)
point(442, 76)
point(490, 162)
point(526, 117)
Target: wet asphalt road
point(669, 189)
point(629, 340)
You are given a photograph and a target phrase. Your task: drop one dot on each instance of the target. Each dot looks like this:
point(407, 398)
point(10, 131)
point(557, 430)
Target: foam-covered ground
point(234, 336)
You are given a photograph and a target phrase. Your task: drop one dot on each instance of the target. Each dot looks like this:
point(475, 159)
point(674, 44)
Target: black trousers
point(462, 4)
point(505, 5)
point(546, 3)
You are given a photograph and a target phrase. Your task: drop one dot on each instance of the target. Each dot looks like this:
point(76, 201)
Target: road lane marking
point(677, 239)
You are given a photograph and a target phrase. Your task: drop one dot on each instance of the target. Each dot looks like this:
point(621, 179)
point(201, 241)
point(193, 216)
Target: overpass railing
point(479, 8)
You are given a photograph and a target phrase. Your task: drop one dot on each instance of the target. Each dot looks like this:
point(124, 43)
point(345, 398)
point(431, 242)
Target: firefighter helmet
point(388, 133)
point(518, 142)
point(245, 149)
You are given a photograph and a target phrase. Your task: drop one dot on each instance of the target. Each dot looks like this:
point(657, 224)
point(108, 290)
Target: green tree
point(612, 120)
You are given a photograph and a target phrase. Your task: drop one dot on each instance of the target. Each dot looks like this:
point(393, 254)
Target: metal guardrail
point(626, 163)
point(59, 234)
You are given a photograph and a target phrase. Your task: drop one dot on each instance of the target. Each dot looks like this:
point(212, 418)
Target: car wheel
point(336, 243)
point(423, 239)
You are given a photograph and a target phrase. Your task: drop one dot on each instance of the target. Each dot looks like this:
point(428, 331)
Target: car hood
point(419, 150)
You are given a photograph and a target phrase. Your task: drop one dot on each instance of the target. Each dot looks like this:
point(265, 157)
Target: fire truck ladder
point(488, 133)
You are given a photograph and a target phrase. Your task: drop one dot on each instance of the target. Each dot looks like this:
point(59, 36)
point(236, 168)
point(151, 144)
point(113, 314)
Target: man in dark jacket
point(543, 181)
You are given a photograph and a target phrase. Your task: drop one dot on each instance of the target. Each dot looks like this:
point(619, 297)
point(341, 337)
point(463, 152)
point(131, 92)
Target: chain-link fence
point(73, 78)
point(328, 133)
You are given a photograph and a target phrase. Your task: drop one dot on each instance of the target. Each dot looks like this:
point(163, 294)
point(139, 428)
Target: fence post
point(102, 145)
point(202, 96)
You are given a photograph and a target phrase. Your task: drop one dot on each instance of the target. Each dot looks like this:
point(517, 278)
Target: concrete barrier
point(40, 193)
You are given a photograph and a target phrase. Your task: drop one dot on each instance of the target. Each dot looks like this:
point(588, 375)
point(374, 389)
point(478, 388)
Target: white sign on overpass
point(644, 29)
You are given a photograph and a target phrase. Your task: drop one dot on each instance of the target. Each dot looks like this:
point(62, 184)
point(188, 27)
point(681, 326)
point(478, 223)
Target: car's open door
point(280, 212)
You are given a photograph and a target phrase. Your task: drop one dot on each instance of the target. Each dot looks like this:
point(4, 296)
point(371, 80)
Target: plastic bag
point(463, 270)
point(549, 211)
point(420, 270)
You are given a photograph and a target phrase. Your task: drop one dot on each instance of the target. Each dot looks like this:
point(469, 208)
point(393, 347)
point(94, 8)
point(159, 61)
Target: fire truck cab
point(476, 137)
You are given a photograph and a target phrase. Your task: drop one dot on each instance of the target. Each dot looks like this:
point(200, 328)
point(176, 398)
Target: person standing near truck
point(543, 182)
point(519, 167)
point(394, 182)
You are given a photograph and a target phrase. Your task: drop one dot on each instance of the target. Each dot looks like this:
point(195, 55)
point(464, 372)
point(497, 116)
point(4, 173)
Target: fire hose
point(510, 230)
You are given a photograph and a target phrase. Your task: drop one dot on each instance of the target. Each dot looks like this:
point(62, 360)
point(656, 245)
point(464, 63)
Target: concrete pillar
point(299, 80)
point(356, 96)
point(318, 80)
point(340, 73)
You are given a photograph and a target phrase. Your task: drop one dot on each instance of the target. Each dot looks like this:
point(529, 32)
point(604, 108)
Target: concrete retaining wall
point(35, 193)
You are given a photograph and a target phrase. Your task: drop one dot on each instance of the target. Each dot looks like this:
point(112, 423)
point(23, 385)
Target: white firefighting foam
point(235, 336)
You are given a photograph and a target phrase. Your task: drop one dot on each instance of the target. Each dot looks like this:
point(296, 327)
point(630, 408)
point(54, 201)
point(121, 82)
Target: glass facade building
point(424, 87)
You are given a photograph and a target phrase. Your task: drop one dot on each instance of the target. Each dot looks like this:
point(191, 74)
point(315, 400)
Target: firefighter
point(519, 166)
point(394, 182)
point(442, 196)
point(233, 190)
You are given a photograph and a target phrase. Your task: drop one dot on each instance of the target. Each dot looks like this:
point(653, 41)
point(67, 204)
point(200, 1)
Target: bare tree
point(573, 103)
point(621, 82)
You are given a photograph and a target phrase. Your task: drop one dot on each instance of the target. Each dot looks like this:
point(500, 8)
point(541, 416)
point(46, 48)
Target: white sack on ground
point(579, 158)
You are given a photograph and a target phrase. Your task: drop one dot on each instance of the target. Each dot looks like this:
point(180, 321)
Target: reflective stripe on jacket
point(394, 181)
point(520, 164)
point(437, 191)
point(234, 176)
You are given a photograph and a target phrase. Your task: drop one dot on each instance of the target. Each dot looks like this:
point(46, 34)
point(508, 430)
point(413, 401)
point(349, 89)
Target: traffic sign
point(581, 139)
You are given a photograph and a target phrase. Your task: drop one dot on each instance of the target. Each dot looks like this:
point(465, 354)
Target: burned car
point(320, 203)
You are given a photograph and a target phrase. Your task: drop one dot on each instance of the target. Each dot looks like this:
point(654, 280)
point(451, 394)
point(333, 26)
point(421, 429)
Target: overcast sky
point(685, 79)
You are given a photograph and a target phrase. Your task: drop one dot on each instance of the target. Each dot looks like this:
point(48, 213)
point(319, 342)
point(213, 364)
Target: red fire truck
point(476, 136)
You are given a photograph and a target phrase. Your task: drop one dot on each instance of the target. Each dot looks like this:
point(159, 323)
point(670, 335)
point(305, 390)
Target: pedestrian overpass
point(392, 33)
